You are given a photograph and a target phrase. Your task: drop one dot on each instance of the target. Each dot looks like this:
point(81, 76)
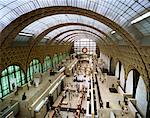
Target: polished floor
point(73, 97)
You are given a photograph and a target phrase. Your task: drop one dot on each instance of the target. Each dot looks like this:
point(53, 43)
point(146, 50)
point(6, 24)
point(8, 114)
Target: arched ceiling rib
point(70, 38)
point(63, 33)
point(85, 34)
point(63, 29)
point(51, 29)
point(27, 19)
point(42, 24)
point(59, 38)
point(13, 16)
point(120, 11)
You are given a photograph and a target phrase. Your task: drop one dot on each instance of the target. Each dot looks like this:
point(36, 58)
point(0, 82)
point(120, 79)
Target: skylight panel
point(32, 6)
point(91, 6)
point(1, 26)
point(143, 2)
point(15, 4)
point(23, 6)
point(4, 11)
point(83, 4)
point(6, 2)
point(130, 2)
point(1, 6)
point(5, 21)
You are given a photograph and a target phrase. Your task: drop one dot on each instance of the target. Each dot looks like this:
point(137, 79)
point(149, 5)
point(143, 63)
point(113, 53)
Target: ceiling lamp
point(113, 32)
point(25, 34)
point(146, 15)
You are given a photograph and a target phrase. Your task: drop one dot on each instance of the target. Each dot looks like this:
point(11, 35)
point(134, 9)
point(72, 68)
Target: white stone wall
point(106, 59)
point(141, 97)
point(129, 83)
point(117, 70)
point(122, 77)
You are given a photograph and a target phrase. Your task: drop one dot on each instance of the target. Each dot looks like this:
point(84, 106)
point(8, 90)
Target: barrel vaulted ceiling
point(121, 12)
point(108, 22)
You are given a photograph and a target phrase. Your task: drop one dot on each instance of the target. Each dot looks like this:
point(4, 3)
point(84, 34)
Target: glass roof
point(120, 11)
point(80, 35)
point(144, 26)
point(54, 33)
point(69, 33)
point(71, 37)
point(44, 23)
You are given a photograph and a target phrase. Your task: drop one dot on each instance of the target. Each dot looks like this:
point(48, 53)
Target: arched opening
point(122, 77)
point(129, 83)
point(141, 97)
point(111, 67)
point(132, 82)
point(55, 62)
point(60, 57)
point(136, 87)
point(34, 67)
point(47, 63)
point(11, 77)
point(136, 76)
point(106, 62)
point(118, 70)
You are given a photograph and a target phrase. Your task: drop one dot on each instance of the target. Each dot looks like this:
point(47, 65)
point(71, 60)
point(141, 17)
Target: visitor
point(101, 104)
point(119, 102)
point(126, 110)
point(24, 96)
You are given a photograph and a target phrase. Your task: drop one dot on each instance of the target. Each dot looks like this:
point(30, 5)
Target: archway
point(122, 77)
point(118, 70)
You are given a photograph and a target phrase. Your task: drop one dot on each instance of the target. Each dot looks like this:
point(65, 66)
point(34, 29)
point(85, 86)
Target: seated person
point(24, 96)
point(113, 86)
point(50, 81)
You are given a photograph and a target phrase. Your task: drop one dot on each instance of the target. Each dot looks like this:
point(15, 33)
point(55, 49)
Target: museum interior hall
point(74, 58)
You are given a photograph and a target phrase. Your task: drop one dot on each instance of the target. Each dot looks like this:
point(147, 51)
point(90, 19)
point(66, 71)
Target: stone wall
point(23, 55)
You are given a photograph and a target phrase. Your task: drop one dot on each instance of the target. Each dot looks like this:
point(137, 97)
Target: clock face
point(84, 50)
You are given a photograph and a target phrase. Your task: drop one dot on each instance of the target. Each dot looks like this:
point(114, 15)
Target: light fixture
point(25, 34)
point(113, 32)
point(146, 15)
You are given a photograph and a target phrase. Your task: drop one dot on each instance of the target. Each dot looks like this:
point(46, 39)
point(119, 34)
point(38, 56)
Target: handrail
point(92, 99)
point(46, 90)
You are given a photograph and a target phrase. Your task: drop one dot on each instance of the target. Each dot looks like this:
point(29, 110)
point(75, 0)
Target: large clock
point(84, 50)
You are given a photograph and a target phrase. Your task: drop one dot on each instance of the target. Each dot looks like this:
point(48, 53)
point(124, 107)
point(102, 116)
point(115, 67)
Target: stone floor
point(106, 96)
point(73, 100)
point(112, 98)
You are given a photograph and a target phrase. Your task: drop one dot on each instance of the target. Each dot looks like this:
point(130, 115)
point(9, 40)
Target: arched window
point(55, 61)
point(11, 75)
point(67, 53)
point(60, 57)
point(47, 63)
point(34, 67)
point(64, 55)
